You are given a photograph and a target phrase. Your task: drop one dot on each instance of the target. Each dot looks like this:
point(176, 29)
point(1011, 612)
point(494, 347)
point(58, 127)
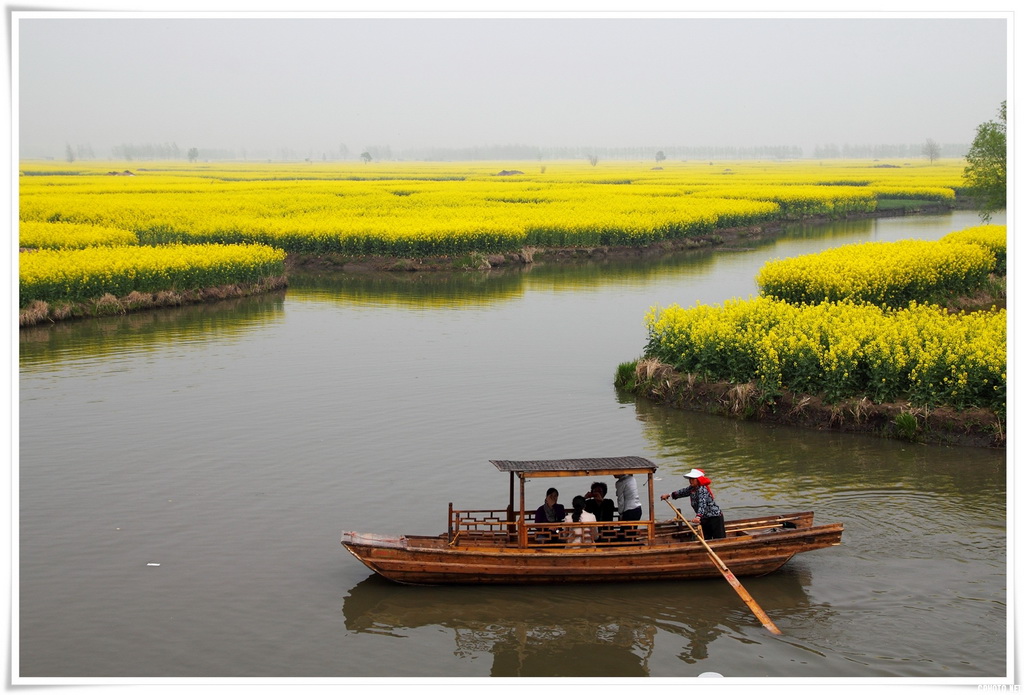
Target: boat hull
point(430, 559)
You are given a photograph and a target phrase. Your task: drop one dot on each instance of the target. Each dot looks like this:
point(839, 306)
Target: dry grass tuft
point(836, 415)
point(860, 410)
point(799, 406)
point(740, 397)
point(60, 312)
point(648, 369)
point(108, 304)
point(137, 300)
point(167, 298)
point(660, 378)
point(217, 293)
point(34, 313)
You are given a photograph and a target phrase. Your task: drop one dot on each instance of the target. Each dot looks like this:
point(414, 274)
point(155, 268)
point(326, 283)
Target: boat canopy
point(555, 468)
point(563, 468)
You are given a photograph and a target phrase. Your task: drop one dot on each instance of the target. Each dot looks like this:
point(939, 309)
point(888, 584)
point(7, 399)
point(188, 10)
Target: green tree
point(367, 157)
point(659, 156)
point(985, 172)
point(193, 154)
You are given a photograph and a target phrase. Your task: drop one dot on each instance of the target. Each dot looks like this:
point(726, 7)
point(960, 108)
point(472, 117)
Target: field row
point(446, 209)
point(890, 273)
point(840, 350)
point(78, 275)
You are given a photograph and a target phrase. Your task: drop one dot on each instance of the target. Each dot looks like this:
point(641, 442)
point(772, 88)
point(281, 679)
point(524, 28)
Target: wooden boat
point(506, 546)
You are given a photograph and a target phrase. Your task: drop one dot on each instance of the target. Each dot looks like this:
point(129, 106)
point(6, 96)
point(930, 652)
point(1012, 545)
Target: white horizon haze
point(322, 85)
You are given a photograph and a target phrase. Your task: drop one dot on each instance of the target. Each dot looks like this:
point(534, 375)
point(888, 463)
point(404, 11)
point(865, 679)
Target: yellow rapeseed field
point(854, 321)
point(403, 209)
point(840, 349)
point(884, 273)
point(212, 224)
point(66, 235)
point(989, 236)
point(73, 275)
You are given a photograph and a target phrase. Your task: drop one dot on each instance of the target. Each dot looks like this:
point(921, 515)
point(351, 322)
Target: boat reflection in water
point(607, 630)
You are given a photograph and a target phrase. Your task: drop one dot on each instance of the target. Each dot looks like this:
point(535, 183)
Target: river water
point(185, 476)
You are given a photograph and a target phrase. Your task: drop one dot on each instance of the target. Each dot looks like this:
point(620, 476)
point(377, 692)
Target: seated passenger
point(581, 534)
point(601, 507)
point(598, 503)
point(549, 513)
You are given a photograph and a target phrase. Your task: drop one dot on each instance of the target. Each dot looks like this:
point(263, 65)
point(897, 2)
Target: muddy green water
point(185, 475)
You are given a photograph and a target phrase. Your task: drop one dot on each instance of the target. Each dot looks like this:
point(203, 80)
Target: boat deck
point(499, 529)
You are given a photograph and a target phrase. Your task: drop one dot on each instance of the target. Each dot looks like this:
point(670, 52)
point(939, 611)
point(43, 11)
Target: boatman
point(709, 515)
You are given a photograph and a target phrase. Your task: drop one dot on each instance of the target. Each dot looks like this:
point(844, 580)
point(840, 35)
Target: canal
point(184, 477)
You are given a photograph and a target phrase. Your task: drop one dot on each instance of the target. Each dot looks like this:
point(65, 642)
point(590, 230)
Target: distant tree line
point(930, 148)
point(78, 152)
point(128, 152)
point(517, 152)
point(592, 153)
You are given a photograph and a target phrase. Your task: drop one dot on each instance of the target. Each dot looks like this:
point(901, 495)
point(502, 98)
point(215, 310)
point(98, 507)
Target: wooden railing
point(490, 527)
point(481, 526)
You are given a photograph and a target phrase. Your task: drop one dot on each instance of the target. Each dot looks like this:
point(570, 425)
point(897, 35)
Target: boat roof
point(575, 467)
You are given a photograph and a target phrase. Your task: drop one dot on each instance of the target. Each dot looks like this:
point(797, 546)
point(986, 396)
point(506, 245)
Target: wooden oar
point(730, 577)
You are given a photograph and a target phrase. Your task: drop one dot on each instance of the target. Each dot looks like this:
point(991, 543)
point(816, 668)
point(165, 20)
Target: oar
point(731, 578)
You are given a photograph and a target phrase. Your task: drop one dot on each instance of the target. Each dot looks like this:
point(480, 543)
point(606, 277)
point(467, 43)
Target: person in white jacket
point(581, 534)
point(628, 498)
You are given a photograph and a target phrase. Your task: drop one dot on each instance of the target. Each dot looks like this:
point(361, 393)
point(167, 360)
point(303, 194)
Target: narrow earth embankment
point(107, 305)
point(660, 383)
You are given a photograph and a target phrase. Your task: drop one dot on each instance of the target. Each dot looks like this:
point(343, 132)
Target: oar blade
point(731, 578)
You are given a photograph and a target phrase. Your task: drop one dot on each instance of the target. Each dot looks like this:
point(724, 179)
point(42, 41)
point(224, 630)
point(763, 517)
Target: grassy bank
point(898, 419)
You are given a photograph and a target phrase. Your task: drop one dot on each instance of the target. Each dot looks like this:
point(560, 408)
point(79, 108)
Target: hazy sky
point(312, 84)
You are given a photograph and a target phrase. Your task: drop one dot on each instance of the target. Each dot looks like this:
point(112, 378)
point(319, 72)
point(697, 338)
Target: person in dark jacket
point(550, 512)
point(598, 503)
point(601, 507)
point(708, 513)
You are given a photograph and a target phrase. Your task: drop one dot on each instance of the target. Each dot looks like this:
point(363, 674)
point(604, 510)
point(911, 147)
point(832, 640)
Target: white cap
point(695, 473)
